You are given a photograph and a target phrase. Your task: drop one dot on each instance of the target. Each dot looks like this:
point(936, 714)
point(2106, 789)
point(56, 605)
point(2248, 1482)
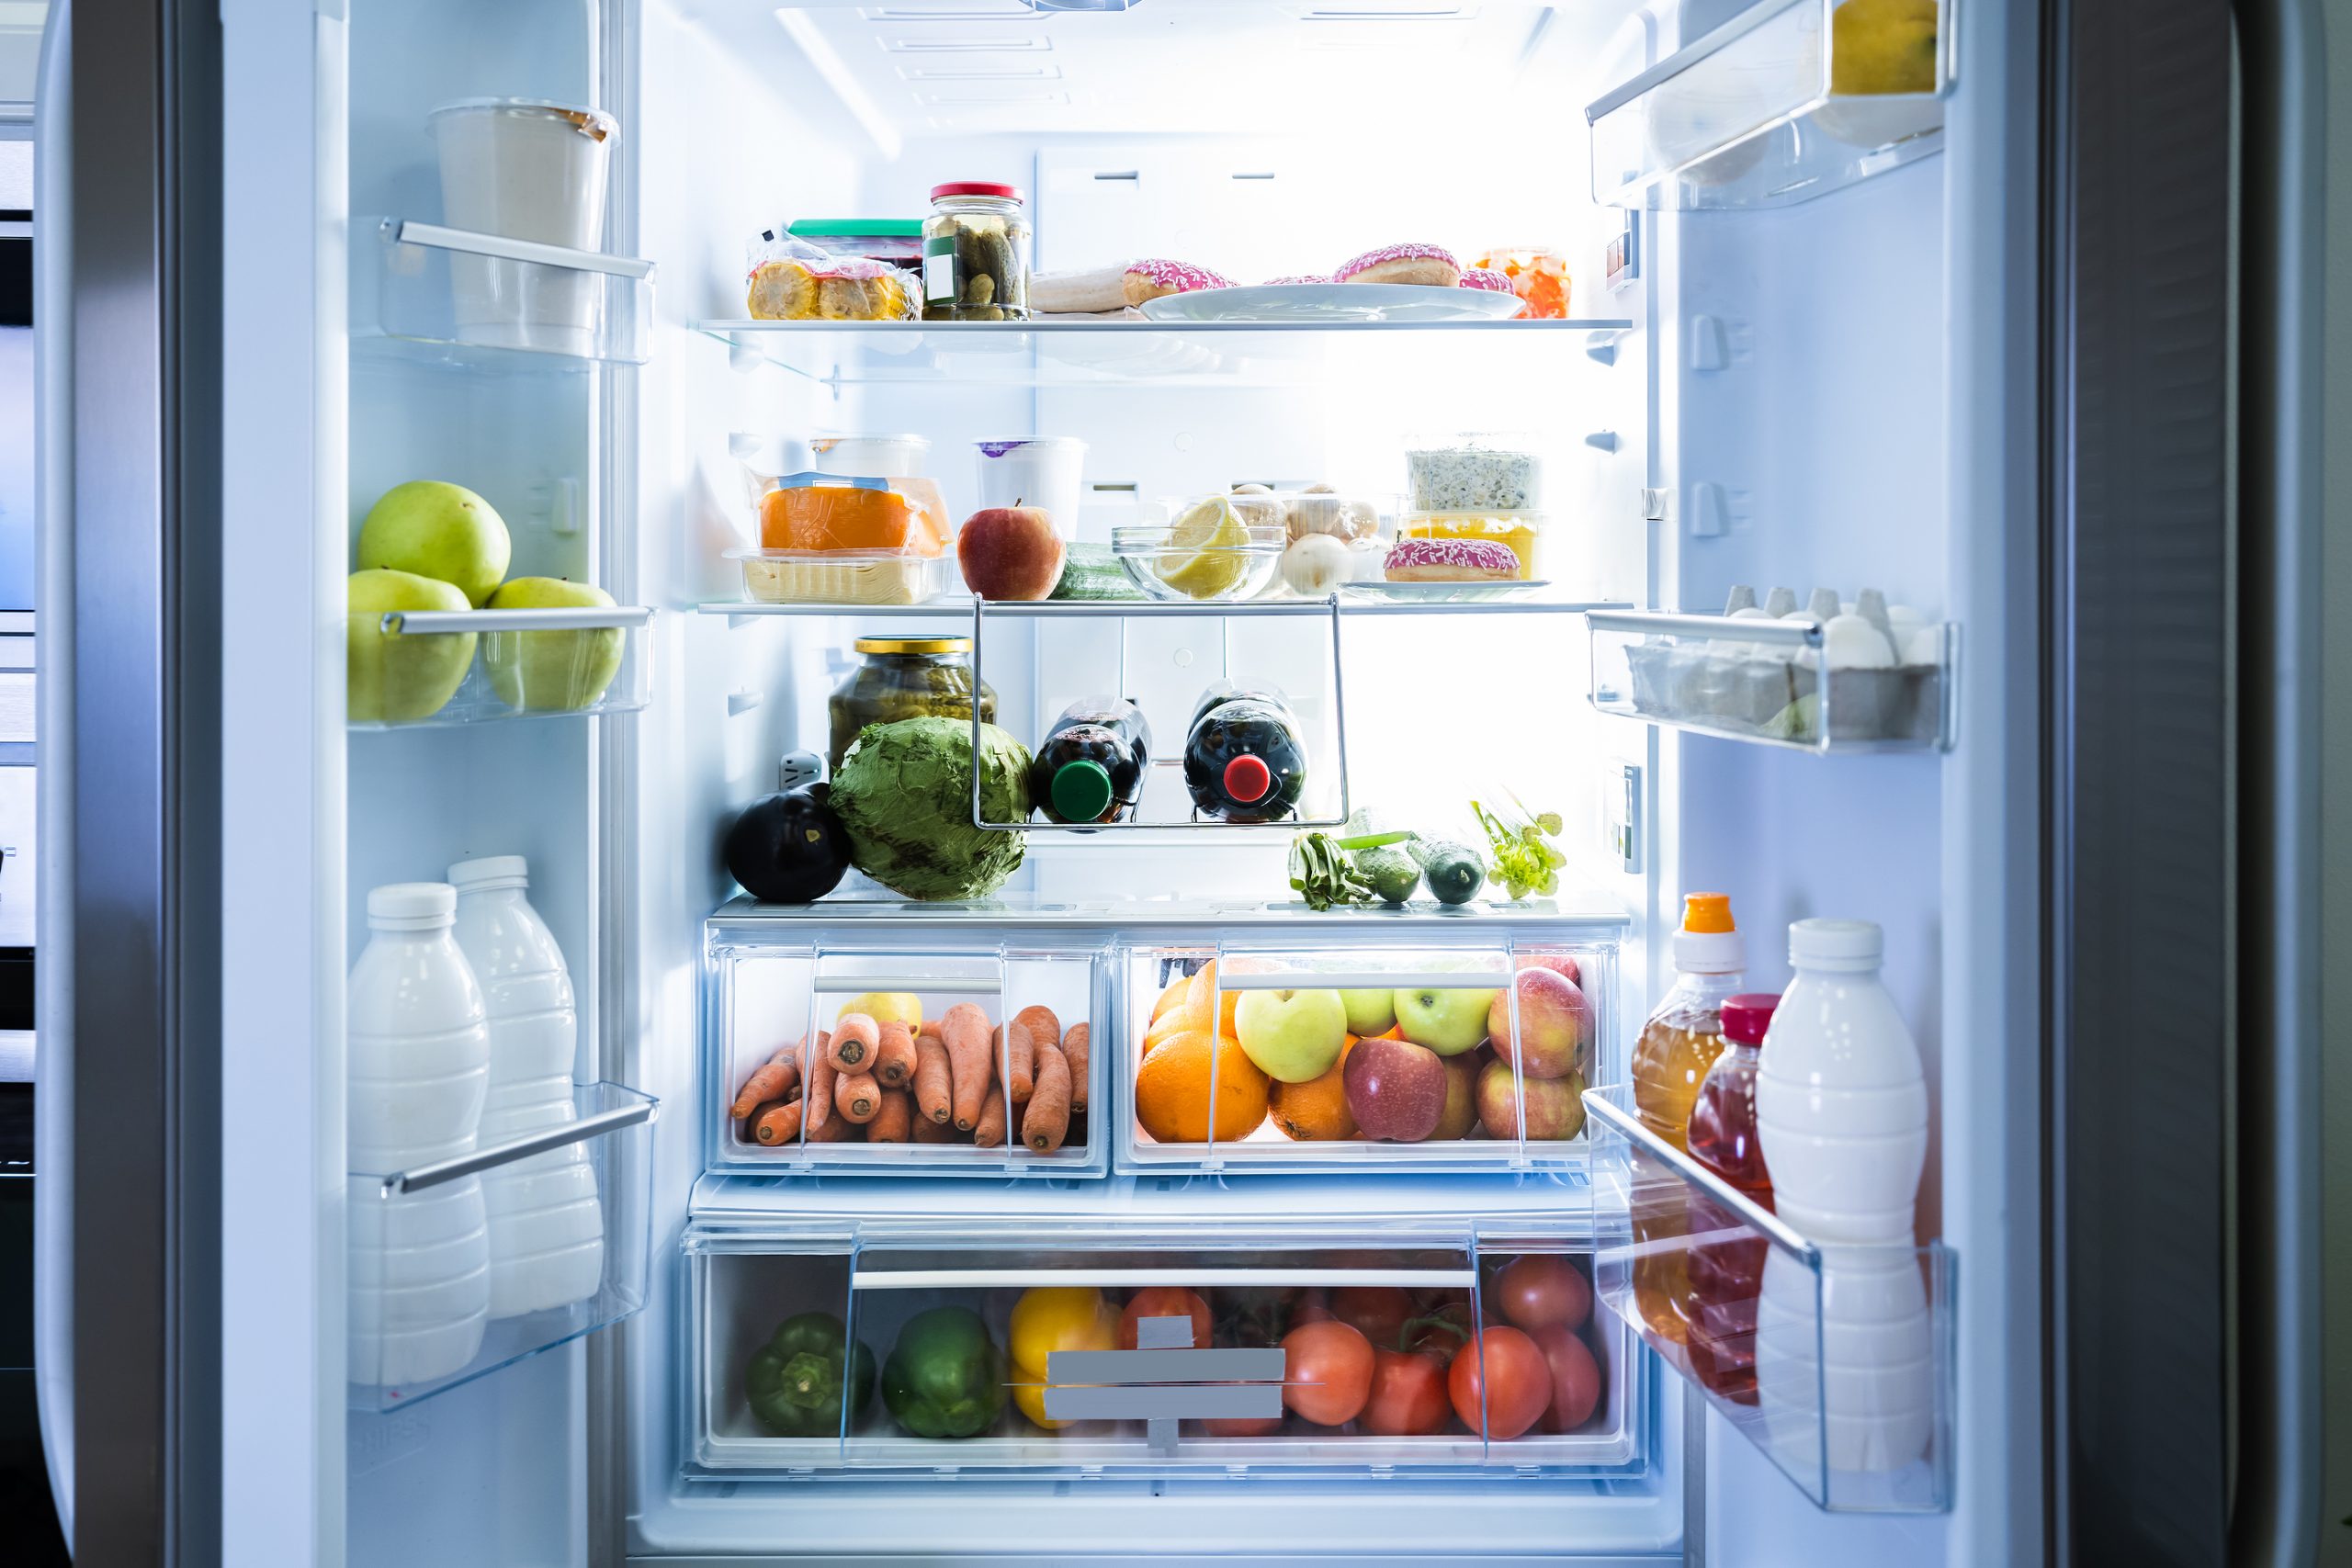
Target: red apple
point(1009, 552)
point(1555, 1025)
point(1554, 1106)
point(1558, 963)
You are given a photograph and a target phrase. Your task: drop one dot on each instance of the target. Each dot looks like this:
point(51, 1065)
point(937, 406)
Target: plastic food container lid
point(1747, 1015)
point(1003, 446)
point(1843, 944)
point(588, 121)
point(412, 905)
point(855, 228)
point(491, 872)
point(914, 645)
point(1082, 791)
point(976, 187)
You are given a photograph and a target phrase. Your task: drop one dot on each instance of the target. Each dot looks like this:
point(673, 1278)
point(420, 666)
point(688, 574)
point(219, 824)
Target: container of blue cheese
point(1474, 473)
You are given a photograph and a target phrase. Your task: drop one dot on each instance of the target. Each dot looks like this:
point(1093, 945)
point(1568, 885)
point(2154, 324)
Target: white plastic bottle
point(1845, 1370)
point(418, 1069)
point(1842, 1104)
point(547, 1228)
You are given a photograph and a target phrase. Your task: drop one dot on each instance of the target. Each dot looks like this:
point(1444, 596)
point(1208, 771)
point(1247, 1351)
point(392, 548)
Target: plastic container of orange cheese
point(836, 539)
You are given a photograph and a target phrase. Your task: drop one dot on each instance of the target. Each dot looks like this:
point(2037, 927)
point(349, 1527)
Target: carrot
point(837, 1130)
point(857, 1097)
point(989, 1131)
point(965, 1029)
point(768, 1081)
point(1043, 1026)
point(931, 1094)
point(894, 1124)
point(1018, 1050)
point(854, 1039)
point(777, 1123)
point(1074, 1051)
point(822, 1079)
point(930, 1132)
point(1046, 1120)
point(894, 1058)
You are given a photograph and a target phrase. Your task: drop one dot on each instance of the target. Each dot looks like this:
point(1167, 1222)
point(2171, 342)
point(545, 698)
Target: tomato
point(1408, 1395)
point(1441, 1328)
point(1165, 1300)
point(1502, 1371)
point(1327, 1372)
point(1377, 1312)
point(1312, 1306)
point(1243, 1426)
point(1576, 1378)
point(1541, 1288)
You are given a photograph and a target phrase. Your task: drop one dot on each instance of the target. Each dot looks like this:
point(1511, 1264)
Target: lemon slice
point(1204, 554)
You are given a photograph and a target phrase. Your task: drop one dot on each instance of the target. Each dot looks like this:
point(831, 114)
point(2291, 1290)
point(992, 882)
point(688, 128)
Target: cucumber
point(1090, 571)
point(1455, 872)
point(1390, 871)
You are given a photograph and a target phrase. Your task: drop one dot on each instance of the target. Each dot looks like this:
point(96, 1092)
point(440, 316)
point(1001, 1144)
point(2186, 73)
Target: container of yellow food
point(1523, 532)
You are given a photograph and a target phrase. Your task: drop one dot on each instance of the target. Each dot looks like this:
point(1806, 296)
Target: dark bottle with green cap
point(1090, 766)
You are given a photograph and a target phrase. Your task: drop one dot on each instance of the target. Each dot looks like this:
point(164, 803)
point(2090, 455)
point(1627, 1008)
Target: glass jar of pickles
point(904, 677)
point(976, 254)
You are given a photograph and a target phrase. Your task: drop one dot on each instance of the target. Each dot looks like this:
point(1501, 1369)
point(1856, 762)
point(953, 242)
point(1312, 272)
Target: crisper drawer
point(972, 1018)
point(1174, 1351)
point(1348, 1058)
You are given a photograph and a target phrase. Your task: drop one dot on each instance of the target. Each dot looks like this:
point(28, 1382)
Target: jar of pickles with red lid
point(976, 254)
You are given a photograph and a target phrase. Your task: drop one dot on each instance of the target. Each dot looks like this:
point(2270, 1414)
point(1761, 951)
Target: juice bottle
point(1243, 759)
point(1671, 1056)
point(1727, 1276)
point(1092, 765)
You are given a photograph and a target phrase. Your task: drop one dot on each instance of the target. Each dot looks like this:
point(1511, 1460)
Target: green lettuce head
point(904, 794)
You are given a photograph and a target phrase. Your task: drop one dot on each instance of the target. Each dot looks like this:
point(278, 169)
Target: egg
point(1317, 564)
point(1850, 642)
point(1921, 646)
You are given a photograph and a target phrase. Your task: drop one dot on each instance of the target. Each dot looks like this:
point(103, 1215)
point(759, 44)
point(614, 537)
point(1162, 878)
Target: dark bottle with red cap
point(1243, 759)
point(1090, 766)
point(1726, 1273)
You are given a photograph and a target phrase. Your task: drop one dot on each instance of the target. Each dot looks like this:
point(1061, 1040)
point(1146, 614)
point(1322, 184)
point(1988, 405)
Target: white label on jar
point(939, 270)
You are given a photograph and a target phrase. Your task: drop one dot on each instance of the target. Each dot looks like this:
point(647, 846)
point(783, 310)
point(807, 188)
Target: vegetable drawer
point(881, 1346)
point(921, 1085)
point(1339, 1057)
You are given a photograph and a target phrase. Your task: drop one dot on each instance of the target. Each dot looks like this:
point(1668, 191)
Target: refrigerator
point(1998, 315)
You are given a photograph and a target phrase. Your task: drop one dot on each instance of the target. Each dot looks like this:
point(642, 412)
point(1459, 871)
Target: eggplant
point(789, 848)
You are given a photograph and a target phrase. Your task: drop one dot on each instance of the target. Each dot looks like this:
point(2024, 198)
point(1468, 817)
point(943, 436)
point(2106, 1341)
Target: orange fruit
point(1317, 1109)
point(1172, 993)
point(1172, 1090)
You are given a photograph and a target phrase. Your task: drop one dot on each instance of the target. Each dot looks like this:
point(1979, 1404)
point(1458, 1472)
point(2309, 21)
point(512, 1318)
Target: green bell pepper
point(945, 1378)
point(796, 1380)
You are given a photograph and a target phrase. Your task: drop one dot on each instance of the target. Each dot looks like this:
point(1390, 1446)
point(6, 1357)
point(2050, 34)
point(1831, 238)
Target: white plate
point(1311, 302)
point(1441, 592)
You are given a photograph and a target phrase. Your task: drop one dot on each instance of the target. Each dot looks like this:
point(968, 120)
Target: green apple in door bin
point(1294, 1036)
point(1448, 1021)
point(551, 671)
point(437, 530)
point(395, 678)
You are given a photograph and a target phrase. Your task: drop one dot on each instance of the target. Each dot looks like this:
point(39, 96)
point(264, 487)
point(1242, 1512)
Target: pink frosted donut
point(1431, 265)
point(1155, 277)
point(1448, 561)
point(1297, 278)
point(1487, 278)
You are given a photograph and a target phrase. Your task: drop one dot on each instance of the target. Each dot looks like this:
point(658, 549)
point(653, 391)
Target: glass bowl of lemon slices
point(1211, 552)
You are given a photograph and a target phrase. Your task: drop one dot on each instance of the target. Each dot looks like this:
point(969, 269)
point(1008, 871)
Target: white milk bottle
point(418, 1069)
point(1845, 1369)
point(1841, 1105)
point(547, 1229)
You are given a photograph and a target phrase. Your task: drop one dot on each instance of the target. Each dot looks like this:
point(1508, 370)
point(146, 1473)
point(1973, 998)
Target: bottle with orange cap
point(1680, 1042)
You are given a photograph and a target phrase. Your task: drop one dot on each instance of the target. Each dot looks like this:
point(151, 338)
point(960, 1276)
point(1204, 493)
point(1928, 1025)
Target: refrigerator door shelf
point(1162, 355)
point(1760, 680)
point(496, 664)
point(410, 1231)
point(762, 996)
point(485, 302)
point(1128, 1387)
point(1835, 1361)
point(1452, 1096)
point(1746, 117)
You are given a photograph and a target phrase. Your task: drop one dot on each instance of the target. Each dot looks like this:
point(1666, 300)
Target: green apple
point(1292, 1035)
point(400, 679)
point(1369, 1013)
point(551, 671)
point(1449, 1021)
point(437, 530)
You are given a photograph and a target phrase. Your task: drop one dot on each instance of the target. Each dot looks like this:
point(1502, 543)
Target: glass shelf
point(1744, 117)
point(427, 293)
point(1531, 603)
point(1759, 681)
point(1159, 355)
point(1547, 920)
point(436, 1299)
point(416, 670)
point(1835, 1361)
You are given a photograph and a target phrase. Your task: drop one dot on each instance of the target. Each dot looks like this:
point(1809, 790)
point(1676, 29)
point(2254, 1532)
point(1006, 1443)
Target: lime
point(1205, 557)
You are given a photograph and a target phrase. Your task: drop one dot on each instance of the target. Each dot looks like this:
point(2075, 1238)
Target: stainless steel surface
point(1630, 1127)
point(424, 1176)
point(17, 1055)
point(409, 232)
point(438, 623)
